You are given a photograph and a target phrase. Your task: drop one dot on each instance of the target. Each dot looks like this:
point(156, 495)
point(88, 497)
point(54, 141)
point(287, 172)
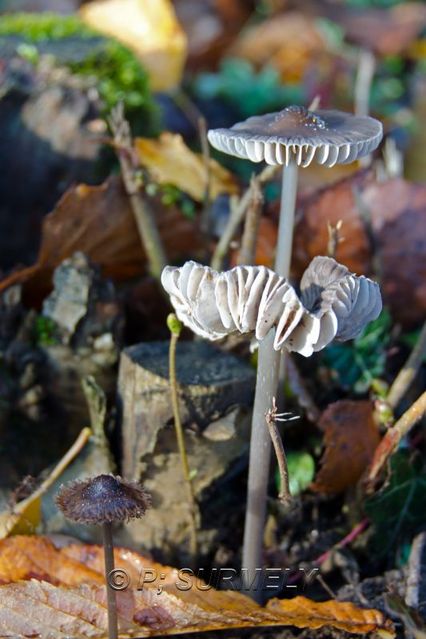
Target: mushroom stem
point(111, 594)
point(285, 230)
point(268, 367)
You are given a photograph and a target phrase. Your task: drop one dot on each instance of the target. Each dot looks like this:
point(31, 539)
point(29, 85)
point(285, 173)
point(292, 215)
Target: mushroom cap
point(334, 303)
point(298, 135)
point(102, 499)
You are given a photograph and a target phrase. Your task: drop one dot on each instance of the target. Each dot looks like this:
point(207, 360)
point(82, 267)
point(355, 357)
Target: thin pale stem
point(181, 443)
point(287, 211)
point(248, 242)
point(364, 79)
point(266, 388)
point(407, 374)
point(111, 594)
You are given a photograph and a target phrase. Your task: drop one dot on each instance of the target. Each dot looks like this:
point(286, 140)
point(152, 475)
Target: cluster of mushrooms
point(333, 304)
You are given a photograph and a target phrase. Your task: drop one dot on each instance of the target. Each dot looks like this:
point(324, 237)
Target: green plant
point(301, 471)
point(359, 363)
point(247, 91)
point(119, 75)
point(399, 508)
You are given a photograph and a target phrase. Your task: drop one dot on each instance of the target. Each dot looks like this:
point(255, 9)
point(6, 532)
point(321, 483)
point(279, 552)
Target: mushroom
point(102, 501)
point(292, 137)
point(333, 304)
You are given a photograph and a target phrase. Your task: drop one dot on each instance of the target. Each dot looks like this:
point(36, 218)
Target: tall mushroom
point(102, 501)
point(292, 137)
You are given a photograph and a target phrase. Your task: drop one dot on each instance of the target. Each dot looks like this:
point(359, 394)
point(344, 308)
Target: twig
point(175, 327)
point(298, 388)
point(272, 417)
point(408, 372)
point(202, 130)
point(392, 438)
point(96, 401)
point(235, 219)
point(247, 252)
point(348, 539)
point(148, 231)
point(9, 520)
point(334, 237)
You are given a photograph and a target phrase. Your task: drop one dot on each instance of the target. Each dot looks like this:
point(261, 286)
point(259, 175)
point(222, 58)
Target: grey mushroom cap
point(333, 304)
point(298, 135)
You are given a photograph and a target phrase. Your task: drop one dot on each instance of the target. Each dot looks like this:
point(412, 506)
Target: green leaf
point(360, 362)
point(301, 471)
point(399, 508)
point(249, 92)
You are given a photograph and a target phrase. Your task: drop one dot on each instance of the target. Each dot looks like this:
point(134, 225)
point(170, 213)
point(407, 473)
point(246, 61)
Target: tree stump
point(215, 392)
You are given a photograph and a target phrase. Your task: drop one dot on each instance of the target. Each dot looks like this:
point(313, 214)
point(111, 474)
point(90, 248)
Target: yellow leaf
point(150, 29)
point(170, 161)
point(156, 600)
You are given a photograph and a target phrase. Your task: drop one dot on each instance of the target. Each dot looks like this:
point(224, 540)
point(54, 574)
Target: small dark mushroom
point(101, 501)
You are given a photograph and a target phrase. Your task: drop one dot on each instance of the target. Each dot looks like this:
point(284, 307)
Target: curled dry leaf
point(350, 437)
point(170, 161)
point(150, 29)
point(98, 221)
point(67, 598)
point(396, 213)
point(288, 42)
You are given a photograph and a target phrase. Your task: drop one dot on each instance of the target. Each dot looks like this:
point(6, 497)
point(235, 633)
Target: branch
point(392, 438)
point(236, 217)
point(147, 228)
point(408, 372)
point(247, 252)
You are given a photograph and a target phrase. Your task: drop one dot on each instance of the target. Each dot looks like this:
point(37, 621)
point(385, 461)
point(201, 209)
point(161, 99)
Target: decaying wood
point(215, 391)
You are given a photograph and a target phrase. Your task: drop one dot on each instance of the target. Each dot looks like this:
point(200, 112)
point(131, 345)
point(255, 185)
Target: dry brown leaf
point(170, 161)
point(289, 42)
point(98, 221)
point(64, 588)
point(396, 209)
point(150, 29)
point(350, 438)
point(385, 31)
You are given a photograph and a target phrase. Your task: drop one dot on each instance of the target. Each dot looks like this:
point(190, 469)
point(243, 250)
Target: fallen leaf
point(64, 587)
point(396, 210)
point(385, 31)
point(331, 204)
point(288, 42)
point(398, 213)
point(350, 438)
point(170, 161)
point(98, 221)
point(148, 27)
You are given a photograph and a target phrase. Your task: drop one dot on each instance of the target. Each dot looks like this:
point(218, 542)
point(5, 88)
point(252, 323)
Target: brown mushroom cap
point(298, 135)
point(102, 499)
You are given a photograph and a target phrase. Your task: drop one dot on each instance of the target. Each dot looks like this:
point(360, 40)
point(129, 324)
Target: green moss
point(38, 27)
point(119, 74)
